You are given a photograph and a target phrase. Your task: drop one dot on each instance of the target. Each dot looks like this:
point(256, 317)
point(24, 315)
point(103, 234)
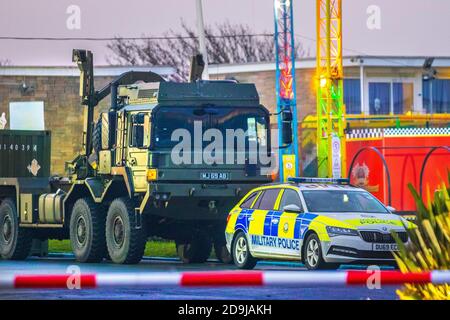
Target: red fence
point(384, 161)
point(219, 279)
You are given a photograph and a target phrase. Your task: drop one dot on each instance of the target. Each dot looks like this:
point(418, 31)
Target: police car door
point(260, 223)
point(289, 223)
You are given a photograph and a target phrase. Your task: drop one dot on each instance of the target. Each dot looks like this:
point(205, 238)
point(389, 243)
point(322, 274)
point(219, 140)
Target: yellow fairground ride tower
point(331, 154)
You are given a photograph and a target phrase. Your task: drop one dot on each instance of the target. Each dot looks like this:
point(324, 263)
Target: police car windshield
point(342, 201)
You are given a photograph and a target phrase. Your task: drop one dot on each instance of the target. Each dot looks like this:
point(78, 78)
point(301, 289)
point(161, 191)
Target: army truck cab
point(148, 168)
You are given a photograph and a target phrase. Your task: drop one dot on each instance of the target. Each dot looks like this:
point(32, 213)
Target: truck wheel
point(242, 257)
point(125, 242)
point(222, 253)
point(15, 242)
point(196, 250)
point(312, 253)
point(87, 231)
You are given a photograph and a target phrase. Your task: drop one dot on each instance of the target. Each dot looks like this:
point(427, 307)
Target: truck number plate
point(214, 176)
point(385, 247)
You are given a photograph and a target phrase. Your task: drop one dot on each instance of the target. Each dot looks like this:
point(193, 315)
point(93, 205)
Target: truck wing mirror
point(286, 118)
point(287, 133)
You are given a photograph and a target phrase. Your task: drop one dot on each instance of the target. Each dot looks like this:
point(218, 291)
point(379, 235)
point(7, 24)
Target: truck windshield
point(335, 201)
point(252, 121)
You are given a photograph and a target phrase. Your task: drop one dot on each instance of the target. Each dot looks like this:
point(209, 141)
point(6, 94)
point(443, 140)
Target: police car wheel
point(87, 231)
point(241, 253)
point(15, 242)
point(312, 254)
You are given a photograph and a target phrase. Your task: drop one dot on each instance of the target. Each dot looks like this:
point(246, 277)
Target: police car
point(322, 222)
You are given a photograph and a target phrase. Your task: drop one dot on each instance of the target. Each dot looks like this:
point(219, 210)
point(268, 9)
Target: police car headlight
point(336, 231)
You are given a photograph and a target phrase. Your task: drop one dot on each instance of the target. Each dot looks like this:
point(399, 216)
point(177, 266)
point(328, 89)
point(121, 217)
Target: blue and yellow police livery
point(322, 222)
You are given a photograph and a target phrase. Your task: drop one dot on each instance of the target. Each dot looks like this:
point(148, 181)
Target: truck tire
point(242, 256)
point(196, 250)
point(15, 242)
point(87, 231)
point(125, 242)
point(222, 253)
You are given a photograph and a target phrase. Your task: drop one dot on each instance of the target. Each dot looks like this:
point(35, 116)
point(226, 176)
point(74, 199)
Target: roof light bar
point(319, 180)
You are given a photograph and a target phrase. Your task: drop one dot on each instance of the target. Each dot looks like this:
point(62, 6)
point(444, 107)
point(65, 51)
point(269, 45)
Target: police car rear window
point(248, 202)
point(268, 199)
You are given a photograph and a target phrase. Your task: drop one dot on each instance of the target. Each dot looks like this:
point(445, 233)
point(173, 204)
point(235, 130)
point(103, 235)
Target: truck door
point(136, 158)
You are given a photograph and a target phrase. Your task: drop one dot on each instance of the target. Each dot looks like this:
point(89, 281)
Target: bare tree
point(5, 62)
point(226, 43)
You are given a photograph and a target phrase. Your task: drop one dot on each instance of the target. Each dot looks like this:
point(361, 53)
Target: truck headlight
point(336, 231)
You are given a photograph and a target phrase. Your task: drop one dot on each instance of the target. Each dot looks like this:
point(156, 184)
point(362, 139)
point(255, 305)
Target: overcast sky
point(402, 27)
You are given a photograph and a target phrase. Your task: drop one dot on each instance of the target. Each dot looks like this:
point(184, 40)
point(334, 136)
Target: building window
point(379, 97)
point(391, 97)
point(26, 115)
point(352, 96)
point(436, 95)
point(403, 95)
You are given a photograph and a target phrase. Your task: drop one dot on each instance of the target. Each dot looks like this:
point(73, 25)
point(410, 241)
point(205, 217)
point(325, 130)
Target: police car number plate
point(214, 176)
point(385, 247)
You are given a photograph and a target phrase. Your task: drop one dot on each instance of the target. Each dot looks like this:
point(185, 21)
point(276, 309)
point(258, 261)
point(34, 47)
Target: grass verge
point(153, 248)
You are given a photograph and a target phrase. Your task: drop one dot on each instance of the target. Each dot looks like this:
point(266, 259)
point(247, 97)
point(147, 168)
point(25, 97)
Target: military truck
point(125, 186)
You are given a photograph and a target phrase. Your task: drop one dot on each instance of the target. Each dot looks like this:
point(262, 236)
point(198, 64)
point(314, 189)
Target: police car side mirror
point(391, 209)
point(292, 208)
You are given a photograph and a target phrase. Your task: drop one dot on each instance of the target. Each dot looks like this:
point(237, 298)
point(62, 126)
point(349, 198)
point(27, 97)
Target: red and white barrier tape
point(223, 278)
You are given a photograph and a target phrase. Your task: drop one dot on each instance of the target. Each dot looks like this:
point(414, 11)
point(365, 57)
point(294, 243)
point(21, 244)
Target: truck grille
point(378, 237)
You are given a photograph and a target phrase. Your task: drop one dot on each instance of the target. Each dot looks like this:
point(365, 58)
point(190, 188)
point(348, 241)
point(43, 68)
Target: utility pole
point(202, 39)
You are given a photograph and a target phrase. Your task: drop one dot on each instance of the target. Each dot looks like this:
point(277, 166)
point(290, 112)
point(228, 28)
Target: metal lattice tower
point(285, 75)
point(330, 96)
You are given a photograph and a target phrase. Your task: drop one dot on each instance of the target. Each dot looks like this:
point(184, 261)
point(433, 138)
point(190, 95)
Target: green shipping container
point(24, 154)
